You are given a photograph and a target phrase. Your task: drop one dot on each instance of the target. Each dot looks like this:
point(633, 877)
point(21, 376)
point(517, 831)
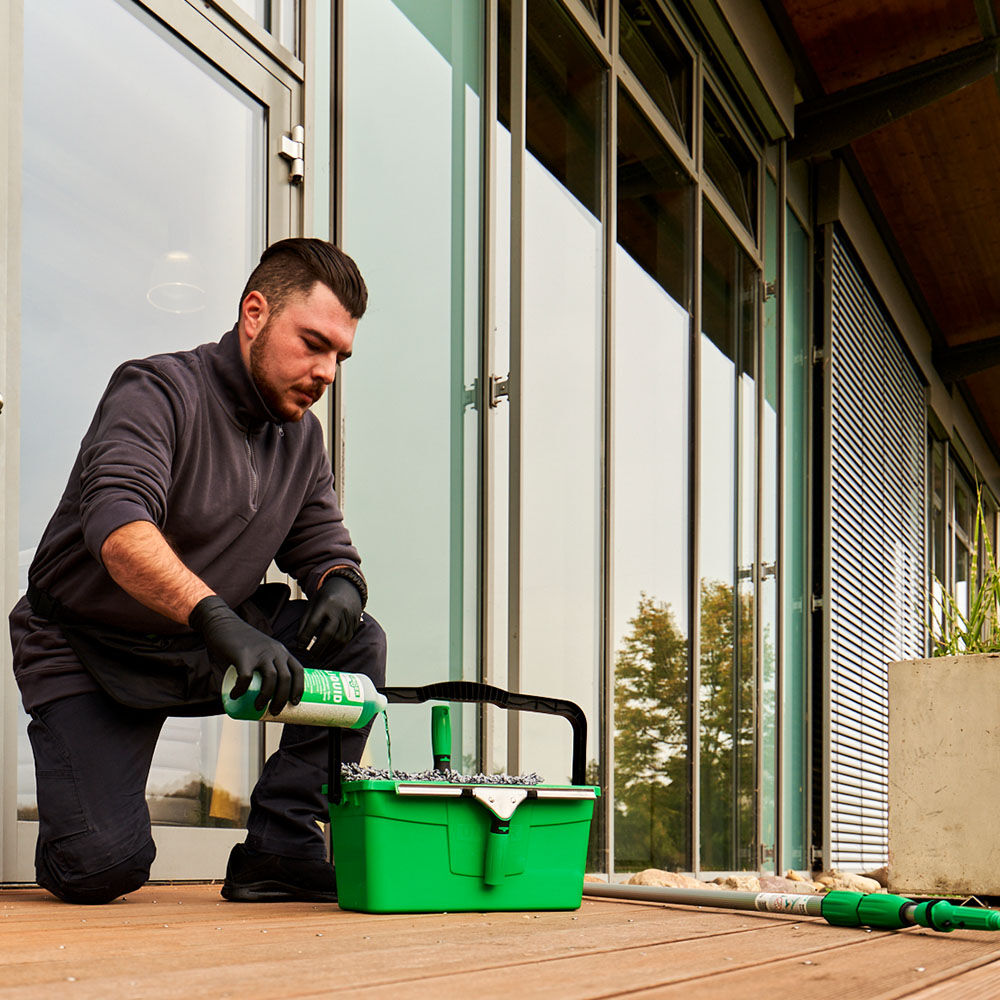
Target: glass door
point(151, 181)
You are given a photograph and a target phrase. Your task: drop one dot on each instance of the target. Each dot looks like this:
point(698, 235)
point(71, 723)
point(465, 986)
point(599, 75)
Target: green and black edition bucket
point(461, 844)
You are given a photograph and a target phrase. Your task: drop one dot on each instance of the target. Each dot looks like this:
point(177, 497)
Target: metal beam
point(830, 122)
point(955, 363)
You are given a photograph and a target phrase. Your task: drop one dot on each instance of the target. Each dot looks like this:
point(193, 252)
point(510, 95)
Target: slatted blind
point(877, 555)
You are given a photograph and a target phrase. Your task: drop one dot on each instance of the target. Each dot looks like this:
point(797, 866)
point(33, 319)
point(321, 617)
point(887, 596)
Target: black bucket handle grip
point(473, 691)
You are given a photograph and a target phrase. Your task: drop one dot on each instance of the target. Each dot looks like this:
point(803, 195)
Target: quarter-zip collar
point(233, 386)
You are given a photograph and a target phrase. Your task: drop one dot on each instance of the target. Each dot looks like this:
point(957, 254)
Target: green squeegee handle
point(441, 737)
point(471, 691)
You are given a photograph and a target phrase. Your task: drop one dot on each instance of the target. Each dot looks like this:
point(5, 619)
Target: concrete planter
point(944, 775)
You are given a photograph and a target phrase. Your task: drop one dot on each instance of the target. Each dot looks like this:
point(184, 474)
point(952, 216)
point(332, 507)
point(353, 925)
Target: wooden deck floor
point(184, 941)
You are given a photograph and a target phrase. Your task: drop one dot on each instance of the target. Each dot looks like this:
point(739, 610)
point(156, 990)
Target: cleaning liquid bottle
point(330, 698)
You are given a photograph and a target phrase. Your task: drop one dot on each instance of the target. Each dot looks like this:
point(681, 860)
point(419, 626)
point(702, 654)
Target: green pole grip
point(496, 853)
point(940, 915)
point(858, 909)
point(887, 912)
point(441, 737)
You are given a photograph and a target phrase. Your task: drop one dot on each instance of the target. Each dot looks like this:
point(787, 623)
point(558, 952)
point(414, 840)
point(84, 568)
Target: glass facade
point(630, 428)
point(794, 579)
point(650, 489)
point(636, 539)
point(561, 384)
point(727, 549)
point(411, 181)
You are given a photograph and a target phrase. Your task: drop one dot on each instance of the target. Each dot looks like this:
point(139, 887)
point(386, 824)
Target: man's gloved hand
point(333, 615)
point(232, 641)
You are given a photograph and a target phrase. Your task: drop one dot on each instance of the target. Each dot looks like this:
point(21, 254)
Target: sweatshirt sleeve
point(127, 455)
point(318, 539)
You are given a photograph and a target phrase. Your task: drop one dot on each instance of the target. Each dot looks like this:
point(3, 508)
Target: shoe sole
point(273, 892)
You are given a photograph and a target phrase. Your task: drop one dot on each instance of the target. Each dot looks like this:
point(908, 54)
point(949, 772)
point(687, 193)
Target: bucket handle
point(472, 691)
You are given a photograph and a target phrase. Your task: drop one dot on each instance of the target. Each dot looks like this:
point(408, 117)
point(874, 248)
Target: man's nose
point(325, 370)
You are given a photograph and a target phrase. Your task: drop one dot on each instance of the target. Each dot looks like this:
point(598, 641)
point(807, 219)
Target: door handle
point(1, 402)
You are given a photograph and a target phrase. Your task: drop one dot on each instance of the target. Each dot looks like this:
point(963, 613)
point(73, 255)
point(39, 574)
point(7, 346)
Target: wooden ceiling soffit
point(828, 123)
point(956, 363)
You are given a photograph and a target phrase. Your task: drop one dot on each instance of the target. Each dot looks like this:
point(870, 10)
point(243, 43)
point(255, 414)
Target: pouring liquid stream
point(388, 741)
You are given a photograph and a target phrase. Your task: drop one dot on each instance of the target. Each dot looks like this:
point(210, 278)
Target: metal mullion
point(251, 36)
point(655, 116)
point(758, 640)
point(456, 432)
point(808, 541)
point(694, 487)
point(518, 155)
point(584, 20)
point(486, 369)
point(732, 221)
point(737, 509)
point(825, 484)
point(781, 279)
point(337, 227)
point(11, 181)
point(274, 19)
point(607, 468)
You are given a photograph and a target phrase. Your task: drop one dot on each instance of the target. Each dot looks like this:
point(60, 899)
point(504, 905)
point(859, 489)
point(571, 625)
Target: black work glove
point(231, 640)
point(333, 615)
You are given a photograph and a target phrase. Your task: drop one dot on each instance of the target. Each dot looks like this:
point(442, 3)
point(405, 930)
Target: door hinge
point(499, 389)
point(293, 149)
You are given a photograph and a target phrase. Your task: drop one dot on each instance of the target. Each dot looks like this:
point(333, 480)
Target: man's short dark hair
point(293, 266)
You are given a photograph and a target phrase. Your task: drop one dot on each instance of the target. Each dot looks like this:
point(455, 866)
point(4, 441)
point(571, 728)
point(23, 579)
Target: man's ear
point(253, 314)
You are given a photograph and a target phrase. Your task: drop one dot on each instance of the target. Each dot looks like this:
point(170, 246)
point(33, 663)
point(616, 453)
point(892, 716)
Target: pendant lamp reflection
point(177, 283)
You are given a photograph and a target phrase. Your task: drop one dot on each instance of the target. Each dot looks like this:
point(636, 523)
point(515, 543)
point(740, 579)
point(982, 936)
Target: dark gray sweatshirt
point(183, 441)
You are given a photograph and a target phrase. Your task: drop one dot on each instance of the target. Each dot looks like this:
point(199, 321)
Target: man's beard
point(273, 398)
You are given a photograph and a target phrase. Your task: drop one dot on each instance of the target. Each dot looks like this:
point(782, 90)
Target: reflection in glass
point(965, 506)
point(726, 550)
point(561, 373)
point(92, 241)
point(650, 612)
point(411, 119)
point(794, 579)
point(659, 60)
point(938, 530)
point(730, 162)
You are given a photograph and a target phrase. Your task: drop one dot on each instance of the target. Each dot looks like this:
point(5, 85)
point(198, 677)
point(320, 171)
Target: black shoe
point(255, 877)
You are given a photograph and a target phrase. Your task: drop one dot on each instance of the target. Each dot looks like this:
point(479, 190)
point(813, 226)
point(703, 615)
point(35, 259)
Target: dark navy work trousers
point(92, 760)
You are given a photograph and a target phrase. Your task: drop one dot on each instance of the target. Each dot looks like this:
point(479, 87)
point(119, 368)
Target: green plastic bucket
point(404, 847)
point(428, 847)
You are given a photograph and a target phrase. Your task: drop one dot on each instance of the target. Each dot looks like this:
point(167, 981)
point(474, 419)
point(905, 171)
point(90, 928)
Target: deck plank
point(975, 984)
point(183, 940)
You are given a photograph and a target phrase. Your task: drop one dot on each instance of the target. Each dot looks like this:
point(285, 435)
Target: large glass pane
point(730, 162)
point(651, 609)
point(938, 540)
point(660, 61)
point(964, 507)
point(794, 579)
point(149, 256)
point(726, 549)
point(411, 200)
point(561, 358)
